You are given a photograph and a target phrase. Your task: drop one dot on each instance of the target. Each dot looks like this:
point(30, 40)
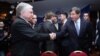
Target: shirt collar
point(78, 20)
point(65, 21)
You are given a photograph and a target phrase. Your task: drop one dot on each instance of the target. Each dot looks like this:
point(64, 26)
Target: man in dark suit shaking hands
point(24, 37)
point(80, 32)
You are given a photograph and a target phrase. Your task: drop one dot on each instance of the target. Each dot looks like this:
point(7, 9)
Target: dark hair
point(65, 13)
point(50, 14)
point(76, 9)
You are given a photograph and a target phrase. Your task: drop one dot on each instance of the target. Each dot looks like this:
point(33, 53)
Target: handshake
point(52, 36)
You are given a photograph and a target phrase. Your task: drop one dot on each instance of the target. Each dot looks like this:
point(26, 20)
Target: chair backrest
point(78, 53)
point(8, 54)
point(48, 54)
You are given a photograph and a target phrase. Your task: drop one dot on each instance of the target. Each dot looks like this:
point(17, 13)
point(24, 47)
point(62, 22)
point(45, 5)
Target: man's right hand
point(52, 36)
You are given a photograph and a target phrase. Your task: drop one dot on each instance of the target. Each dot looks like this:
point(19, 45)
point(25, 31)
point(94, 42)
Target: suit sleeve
point(62, 32)
point(26, 30)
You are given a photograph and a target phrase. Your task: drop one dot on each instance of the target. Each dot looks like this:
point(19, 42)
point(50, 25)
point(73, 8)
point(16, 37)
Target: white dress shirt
point(64, 22)
point(56, 25)
point(77, 25)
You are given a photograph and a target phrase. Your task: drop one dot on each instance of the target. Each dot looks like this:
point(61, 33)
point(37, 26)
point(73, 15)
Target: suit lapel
point(82, 27)
point(59, 26)
point(54, 27)
point(73, 27)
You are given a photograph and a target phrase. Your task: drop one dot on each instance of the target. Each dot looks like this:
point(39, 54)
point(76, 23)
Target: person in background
point(47, 27)
point(63, 17)
point(98, 40)
point(57, 26)
point(34, 21)
point(86, 16)
point(1, 39)
point(65, 39)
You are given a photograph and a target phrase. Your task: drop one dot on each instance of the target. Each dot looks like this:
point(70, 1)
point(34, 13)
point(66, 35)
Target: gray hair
point(21, 7)
point(76, 9)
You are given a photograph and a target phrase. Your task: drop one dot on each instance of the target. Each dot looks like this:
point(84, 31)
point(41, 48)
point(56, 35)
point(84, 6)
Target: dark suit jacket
point(25, 39)
point(47, 27)
point(81, 41)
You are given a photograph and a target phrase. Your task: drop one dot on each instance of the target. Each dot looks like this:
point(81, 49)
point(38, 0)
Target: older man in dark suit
point(24, 38)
